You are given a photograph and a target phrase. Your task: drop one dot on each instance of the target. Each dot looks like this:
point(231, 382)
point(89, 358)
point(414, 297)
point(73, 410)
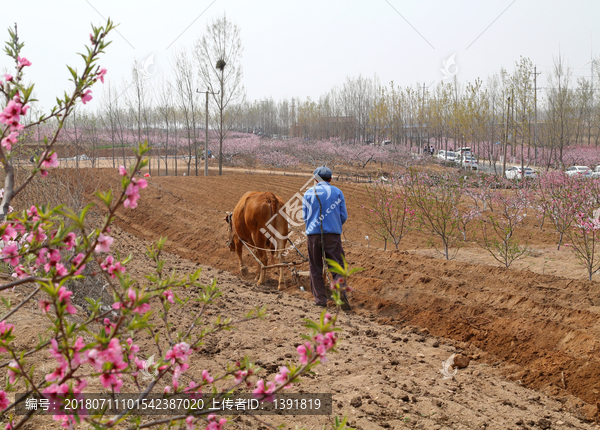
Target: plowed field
point(545, 326)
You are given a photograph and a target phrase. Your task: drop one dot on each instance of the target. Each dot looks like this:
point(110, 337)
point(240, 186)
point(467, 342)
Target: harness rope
point(248, 245)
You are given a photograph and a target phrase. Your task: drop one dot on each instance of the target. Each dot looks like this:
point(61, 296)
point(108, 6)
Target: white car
point(596, 172)
point(515, 173)
point(469, 161)
point(449, 156)
point(579, 171)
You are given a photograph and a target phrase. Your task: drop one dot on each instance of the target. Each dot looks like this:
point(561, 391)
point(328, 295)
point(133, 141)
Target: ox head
point(229, 220)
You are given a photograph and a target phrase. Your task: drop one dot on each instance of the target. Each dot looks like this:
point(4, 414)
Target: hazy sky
point(304, 48)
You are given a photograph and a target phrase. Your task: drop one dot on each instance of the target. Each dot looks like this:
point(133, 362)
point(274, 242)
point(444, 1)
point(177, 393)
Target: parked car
point(579, 171)
point(469, 161)
point(449, 155)
point(515, 173)
point(596, 172)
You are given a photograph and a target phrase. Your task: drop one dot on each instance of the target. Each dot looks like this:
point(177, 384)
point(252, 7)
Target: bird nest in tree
point(221, 64)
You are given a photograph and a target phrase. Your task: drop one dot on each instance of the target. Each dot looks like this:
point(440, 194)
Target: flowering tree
point(435, 200)
point(387, 212)
point(584, 236)
point(560, 199)
point(499, 227)
point(49, 248)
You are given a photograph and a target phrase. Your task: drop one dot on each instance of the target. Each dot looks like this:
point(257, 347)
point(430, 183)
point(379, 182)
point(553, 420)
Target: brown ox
point(255, 214)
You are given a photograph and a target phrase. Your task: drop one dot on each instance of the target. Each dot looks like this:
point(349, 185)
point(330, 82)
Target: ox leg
point(238, 250)
point(261, 272)
point(281, 285)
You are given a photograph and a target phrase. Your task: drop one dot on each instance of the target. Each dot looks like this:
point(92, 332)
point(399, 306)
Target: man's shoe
point(321, 305)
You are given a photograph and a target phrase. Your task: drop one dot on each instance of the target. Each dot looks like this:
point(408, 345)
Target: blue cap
point(323, 173)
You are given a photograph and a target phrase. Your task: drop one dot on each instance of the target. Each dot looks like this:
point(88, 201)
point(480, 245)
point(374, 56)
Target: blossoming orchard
point(110, 228)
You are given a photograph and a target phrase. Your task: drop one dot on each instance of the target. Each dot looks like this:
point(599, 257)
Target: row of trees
point(452, 210)
point(505, 117)
point(503, 114)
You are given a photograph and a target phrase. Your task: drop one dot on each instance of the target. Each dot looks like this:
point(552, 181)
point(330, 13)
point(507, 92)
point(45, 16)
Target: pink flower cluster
point(13, 371)
point(64, 299)
point(4, 402)
point(133, 192)
point(112, 354)
point(55, 392)
point(111, 267)
point(178, 356)
point(11, 114)
point(104, 243)
point(213, 424)
point(133, 189)
point(323, 344)
point(169, 295)
point(129, 303)
point(50, 160)
point(63, 365)
point(261, 390)
point(23, 62)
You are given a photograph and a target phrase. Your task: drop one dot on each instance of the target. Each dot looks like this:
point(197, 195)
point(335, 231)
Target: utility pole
point(506, 137)
point(421, 121)
point(207, 92)
point(535, 73)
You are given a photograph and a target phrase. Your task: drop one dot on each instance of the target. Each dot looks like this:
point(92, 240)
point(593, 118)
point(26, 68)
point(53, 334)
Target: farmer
point(324, 213)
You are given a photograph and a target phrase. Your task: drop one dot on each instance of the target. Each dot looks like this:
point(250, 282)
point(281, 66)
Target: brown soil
point(545, 324)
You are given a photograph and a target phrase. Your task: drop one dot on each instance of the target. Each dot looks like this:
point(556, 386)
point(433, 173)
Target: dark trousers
point(334, 251)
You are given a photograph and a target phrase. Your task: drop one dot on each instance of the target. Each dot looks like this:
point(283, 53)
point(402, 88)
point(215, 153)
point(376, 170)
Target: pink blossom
point(110, 381)
point(111, 267)
point(100, 75)
point(61, 270)
point(281, 377)
point(260, 390)
point(206, 377)
point(104, 243)
point(8, 77)
point(45, 305)
point(189, 423)
point(305, 352)
point(4, 402)
point(10, 140)
point(133, 348)
point(122, 171)
point(108, 326)
point(33, 213)
point(50, 160)
point(213, 424)
point(76, 261)
point(86, 96)
point(20, 272)
point(38, 235)
point(41, 258)
point(12, 373)
point(11, 253)
point(64, 297)
point(70, 241)
point(169, 295)
point(23, 62)
point(180, 351)
point(239, 376)
point(9, 233)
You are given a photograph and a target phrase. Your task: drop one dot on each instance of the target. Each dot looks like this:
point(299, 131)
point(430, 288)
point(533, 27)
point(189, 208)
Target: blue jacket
point(333, 213)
